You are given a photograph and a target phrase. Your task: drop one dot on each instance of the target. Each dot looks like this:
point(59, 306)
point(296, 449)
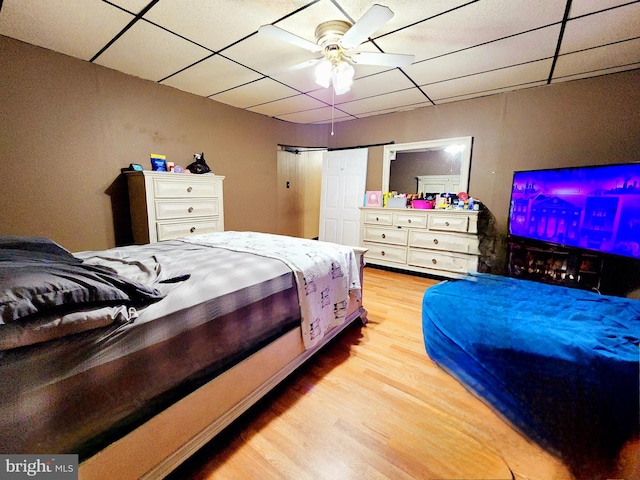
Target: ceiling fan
point(337, 40)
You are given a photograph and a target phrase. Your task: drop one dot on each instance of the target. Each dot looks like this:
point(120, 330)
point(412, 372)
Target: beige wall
point(584, 122)
point(68, 126)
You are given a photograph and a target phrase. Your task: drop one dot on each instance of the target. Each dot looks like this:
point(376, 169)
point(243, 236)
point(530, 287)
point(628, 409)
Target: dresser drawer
point(396, 236)
point(379, 218)
point(450, 223)
point(187, 208)
point(388, 253)
point(169, 230)
point(185, 186)
point(436, 260)
point(443, 241)
point(411, 220)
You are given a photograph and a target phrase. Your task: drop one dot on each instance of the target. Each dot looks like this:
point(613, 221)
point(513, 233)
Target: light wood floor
point(372, 405)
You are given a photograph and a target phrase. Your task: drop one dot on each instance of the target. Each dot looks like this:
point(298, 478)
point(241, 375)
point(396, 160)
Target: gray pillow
point(35, 245)
point(38, 277)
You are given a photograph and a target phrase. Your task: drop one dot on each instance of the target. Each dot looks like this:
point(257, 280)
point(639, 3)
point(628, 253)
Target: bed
point(135, 357)
point(560, 364)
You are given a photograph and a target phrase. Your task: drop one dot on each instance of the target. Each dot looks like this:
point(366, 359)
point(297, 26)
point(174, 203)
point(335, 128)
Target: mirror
point(433, 166)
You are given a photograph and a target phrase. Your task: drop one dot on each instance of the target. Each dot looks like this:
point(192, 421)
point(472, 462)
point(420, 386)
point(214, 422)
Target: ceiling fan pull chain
point(333, 103)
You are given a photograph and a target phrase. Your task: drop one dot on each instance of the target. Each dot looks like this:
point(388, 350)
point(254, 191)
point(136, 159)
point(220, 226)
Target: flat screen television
point(594, 208)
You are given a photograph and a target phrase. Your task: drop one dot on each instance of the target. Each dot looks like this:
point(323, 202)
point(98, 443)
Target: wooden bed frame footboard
point(161, 444)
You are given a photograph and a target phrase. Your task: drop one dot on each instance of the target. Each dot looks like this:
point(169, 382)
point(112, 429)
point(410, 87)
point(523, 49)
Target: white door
point(344, 176)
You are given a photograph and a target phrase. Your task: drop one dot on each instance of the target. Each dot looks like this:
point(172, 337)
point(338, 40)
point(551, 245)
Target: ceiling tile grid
point(212, 75)
point(511, 51)
point(462, 48)
point(264, 90)
point(149, 52)
point(599, 59)
point(505, 79)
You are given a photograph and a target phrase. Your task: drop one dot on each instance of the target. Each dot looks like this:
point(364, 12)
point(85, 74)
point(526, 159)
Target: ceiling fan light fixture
point(342, 76)
point(323, 73)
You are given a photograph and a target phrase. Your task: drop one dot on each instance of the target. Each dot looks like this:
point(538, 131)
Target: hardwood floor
point(372, 405)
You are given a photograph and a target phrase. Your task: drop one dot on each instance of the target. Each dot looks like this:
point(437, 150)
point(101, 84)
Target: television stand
point(557, 265)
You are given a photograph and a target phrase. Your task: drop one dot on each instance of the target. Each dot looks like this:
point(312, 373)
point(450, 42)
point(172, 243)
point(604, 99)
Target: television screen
point(595, 208)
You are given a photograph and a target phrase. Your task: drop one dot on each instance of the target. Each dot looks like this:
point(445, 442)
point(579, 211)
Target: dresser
point(436, 242)
point(169, 205)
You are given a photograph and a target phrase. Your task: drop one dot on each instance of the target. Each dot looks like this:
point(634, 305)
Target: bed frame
point(158, 446)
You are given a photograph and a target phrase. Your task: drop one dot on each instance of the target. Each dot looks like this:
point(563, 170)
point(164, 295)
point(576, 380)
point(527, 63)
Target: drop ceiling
point(212, 48)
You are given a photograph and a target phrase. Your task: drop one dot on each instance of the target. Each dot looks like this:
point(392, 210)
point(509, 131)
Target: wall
point(69, 126)
point(585, 122)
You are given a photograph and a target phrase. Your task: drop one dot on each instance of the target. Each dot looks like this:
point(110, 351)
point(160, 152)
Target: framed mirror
point(432, 166)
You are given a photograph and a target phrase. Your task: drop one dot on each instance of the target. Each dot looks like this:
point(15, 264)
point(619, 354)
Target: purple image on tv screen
point(596, 208)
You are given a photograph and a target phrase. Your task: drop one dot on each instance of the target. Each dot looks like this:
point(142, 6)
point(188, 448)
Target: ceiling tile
point(407, 12)
point(269, 56)
point(607, 27)
point(599, 59)
point(79, 29)
point(149, 52)
point(302, 80)
point(285, 106)
point(317, 115)
point(507, 78)
point(405, 108)
point(133, 6)
point(472, 25)
point(255, 93)
point(595, 73)
point(527, 47)
point(383, 102)
point(304, 22)
point(584, 7)
point(211, 76)
point(215, 25)
point(494, 91)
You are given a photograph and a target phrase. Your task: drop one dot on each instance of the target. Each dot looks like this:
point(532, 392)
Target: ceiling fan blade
point(383, 59)
point(371, 21)
point(298, 66)
point(288, 37)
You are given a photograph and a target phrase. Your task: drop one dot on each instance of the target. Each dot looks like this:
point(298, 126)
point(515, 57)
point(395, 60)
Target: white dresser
point(169, 205)
point(437, 242)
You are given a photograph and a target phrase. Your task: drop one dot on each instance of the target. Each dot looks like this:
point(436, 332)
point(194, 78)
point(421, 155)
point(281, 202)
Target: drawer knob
point(384, 236)
point(382, 253)
point(446, 223)
point(435, 241)
point(377, 219)
point(409, 221)
point(192, 229)
point(189, 189)
point(434, 261)
point(190, 210)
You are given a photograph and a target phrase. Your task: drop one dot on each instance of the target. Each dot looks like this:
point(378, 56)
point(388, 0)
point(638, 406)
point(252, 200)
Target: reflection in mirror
point(434, 166)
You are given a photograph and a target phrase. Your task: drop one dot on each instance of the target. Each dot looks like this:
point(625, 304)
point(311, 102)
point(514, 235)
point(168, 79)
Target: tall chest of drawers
point(170, 205)
point(437, 242)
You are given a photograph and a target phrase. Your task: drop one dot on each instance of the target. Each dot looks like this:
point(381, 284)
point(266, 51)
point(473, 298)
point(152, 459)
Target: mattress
point(560, 364)
point(78, 393)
